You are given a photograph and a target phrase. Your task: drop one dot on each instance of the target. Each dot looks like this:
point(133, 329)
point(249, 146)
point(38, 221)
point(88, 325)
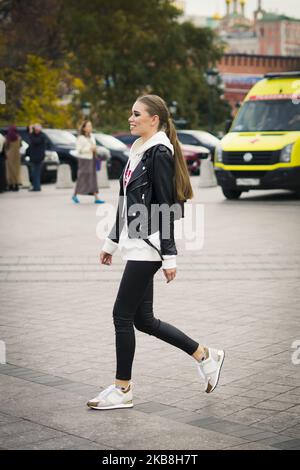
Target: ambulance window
point(269, 115)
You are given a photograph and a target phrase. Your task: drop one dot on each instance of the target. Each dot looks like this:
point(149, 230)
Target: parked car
point(197, 137)
point(193, 155)
point(51, 161)
point(63, 142)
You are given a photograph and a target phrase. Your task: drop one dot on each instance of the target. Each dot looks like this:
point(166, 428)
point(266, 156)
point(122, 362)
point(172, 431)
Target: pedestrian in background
point(86, 183)
point(36, 151)
point(3, 182)
point(156, 178)
point(13, 158)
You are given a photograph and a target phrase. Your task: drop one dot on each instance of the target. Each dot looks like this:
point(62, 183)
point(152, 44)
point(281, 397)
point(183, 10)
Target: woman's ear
point(155, 120)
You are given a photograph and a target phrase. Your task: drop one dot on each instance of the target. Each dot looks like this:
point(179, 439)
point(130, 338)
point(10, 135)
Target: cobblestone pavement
point(239, 292)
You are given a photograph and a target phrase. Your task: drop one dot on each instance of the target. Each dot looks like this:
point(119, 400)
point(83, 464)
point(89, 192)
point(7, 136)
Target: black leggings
point(133, 307)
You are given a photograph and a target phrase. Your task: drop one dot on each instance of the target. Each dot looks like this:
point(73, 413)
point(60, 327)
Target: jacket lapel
point(139, 170)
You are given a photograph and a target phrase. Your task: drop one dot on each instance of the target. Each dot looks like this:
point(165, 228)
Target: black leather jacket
point(150, 194)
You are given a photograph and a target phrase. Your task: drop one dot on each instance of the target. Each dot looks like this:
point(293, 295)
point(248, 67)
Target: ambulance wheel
point(231, 193)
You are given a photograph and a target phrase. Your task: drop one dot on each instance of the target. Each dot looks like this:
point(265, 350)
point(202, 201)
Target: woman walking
point(13, 158)
point(155, 177)
point(86, 176)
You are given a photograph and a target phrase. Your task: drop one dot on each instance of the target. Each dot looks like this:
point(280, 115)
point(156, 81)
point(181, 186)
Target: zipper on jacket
point(137, 177)
point(139, 186)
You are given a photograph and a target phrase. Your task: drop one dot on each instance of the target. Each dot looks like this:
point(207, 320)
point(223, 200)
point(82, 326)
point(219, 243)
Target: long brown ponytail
point(157, 106)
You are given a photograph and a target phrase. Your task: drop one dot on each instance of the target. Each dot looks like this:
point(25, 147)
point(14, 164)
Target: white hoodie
point(135, 249)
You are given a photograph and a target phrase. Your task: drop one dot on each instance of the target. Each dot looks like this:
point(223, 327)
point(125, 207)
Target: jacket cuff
point(109, 246)
point(169, 262)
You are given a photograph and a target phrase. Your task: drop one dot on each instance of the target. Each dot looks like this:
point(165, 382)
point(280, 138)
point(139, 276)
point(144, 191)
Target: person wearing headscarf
point(3, 183)
point(13, 158)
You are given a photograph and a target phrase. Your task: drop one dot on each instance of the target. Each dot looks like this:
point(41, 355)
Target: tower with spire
point(259, 11)
point(228, 2)
point(235, 15)
point(235, 8)
point(242, 3)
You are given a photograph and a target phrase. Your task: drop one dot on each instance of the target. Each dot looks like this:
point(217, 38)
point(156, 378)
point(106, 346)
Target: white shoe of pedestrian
point(112, 398)
point(210, 368)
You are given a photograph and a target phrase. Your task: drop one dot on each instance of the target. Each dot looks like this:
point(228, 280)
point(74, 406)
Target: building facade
point(266, 34)
point(240, 72)
point(278, 35)
point(253, 47)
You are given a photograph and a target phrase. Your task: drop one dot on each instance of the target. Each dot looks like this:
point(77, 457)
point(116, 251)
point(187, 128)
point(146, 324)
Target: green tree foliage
point(31, 27)
point(32, 95)
point(123, 49)
point(117, 50)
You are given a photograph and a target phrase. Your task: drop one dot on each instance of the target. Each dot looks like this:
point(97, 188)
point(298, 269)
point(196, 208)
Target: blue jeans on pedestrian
point(36, 175)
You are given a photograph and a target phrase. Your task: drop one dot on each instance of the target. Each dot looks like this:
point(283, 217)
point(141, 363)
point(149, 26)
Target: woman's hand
point(170, 274)
point(105, 258)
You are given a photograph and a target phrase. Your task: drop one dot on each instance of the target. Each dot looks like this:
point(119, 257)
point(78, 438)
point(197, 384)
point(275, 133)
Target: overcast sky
point(209, 7)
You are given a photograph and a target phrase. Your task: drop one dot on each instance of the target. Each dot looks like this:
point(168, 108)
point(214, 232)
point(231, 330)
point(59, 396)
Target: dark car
point(51, 161)
point(119, 153)
point(63, 142)
point(127, 139)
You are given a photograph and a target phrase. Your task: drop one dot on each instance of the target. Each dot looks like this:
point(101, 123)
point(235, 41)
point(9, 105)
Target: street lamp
point(173, 108)
point(211, 76)
point(86, 109)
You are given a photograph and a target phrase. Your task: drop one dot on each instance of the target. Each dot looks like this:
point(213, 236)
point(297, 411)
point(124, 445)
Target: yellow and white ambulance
point(262, 148)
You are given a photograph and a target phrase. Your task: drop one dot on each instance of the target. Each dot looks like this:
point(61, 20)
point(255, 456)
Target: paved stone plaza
point(240, 292)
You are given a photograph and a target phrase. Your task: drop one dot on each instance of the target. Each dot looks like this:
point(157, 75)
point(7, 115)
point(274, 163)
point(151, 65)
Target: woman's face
point(140, 121)
point(88, 128)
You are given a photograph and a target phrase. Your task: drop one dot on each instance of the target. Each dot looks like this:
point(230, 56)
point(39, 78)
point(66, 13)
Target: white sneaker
point(112, 398)
point(210, 368)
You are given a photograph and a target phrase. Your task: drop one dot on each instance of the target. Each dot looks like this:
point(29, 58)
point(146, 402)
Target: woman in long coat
point(86, 176)
point(3, 183)
point(13, 158)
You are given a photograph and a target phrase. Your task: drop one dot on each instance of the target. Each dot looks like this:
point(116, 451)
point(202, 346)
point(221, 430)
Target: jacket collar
point(139, 170)
point(139, 148)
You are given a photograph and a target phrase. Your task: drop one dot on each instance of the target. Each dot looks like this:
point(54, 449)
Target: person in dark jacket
point(36, 151)
point(154, 180)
